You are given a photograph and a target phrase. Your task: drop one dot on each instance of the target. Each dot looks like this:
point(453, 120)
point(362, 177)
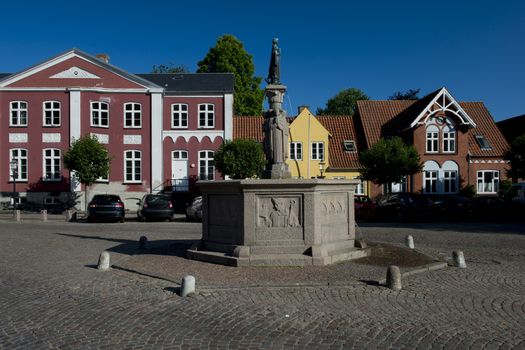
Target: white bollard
point(187, 286)
point(459, 259)
point(103, 261)
point(393, 278)
point(17, 215)
point(409, 240)
point(43, 213)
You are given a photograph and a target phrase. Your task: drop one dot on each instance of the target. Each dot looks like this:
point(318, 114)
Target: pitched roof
point(342, 129)
point(512, 127)
point(248, 127)
point(182, 83)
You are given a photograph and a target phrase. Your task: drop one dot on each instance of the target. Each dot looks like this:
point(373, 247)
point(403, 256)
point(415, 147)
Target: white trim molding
point(132, 139)
point(228, 116)
point(102, 138)
point(51, 137)
point(74, 114)
point(74, 73)
point(188, 134)
point(157, 167)
point(17, 137)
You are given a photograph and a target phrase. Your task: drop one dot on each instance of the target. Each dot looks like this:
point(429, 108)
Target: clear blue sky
point(474, 48)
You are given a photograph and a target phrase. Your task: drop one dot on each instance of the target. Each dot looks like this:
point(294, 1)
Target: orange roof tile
point(341, 129)
point(248, 127)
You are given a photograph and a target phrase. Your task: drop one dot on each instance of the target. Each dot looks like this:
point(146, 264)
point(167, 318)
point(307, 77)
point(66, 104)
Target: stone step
point(280, 260)
point(278, 249)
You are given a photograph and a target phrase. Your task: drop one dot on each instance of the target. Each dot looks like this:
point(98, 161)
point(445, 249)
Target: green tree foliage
point(169, 68)
point(344, 103)
point(229, 56)
point(516, 156)
point(240, 159)
point(388, 161)
point(410, 94)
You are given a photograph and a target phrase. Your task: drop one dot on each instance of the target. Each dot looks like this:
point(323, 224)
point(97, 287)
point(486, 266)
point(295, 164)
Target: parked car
point(194, 209)
point(155, 207)
point(404, 206)
point(451, 207)
point(364, 207)
point(106, 207)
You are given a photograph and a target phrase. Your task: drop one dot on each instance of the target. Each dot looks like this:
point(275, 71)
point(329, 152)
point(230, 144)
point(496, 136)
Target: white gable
point(74, 73)
point(445, 103)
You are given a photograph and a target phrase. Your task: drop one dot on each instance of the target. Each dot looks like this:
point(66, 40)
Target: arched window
point(432, 137)
point(450, 177)
point(449, 139)
point(430, 177)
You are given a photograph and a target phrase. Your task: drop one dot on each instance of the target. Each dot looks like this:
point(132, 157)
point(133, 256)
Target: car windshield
point(99, 198)
point(157, 200)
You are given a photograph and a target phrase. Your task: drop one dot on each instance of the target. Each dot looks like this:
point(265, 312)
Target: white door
point(179, 171)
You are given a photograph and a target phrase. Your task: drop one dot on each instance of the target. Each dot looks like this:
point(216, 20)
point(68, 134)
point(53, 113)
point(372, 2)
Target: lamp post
point(321, 168)
point(14, 173)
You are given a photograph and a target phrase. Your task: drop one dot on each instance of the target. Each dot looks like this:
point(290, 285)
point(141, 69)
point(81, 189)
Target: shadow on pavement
point(466, 227)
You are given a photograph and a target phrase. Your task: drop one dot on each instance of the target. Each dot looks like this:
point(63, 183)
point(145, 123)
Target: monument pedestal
point(277, 222)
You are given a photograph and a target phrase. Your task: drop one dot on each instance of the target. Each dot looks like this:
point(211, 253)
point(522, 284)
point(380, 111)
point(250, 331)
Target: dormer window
point(349, 146)
point(483, 142)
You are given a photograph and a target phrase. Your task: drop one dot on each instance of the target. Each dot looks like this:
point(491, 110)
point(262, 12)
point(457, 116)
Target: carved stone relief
point(102, 138)
point(74, 73)
point(132, 139)
point(51, 138)
point(279, 212)
point(18, 137)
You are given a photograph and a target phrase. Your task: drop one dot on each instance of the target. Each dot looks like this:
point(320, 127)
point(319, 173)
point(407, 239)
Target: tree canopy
point(516, 156)
point(169, 68)
point(240, 159)
point(88, 159)
point(388, 161)
point(229, 55)
point(344, 103)
point(410, 94)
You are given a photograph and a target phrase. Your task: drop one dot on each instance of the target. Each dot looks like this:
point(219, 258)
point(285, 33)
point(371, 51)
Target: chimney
point(104, 57)
point(301, 108)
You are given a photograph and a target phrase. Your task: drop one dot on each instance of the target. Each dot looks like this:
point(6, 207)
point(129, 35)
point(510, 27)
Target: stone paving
point(52, 296)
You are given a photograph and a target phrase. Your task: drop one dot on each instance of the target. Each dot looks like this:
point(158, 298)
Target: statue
point(274, 72)
point(276, 127)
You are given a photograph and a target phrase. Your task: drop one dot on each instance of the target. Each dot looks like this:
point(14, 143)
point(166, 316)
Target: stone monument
point(277, 221)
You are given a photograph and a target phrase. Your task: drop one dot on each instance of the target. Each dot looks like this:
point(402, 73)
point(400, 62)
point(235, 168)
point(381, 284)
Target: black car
point(106, 207)
point(155, 207)
point(451, 207)
point(404, 207)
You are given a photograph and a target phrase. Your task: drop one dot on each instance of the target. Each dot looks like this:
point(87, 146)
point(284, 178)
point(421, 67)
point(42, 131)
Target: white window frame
point(179, 155)
point(51, 110)
point(206, 165)
point(360, 188)
point(131, 115)
point(22, 163)
point(482, 185)
point(18, 115)
point(51, 161)
point(179, 115)
point(317, 150)
point(296, 151)
point(134, 157)
point(99, 111)
point(450, 179)
point(432, 177)
point(206, 115)
point(432, 139)
point(449, 140)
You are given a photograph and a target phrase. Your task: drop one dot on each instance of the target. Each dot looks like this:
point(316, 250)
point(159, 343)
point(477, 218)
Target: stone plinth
point(285, 222)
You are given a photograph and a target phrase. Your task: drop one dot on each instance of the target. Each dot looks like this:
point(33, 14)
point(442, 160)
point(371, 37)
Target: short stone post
point(103, 261)
point(143, 243)
point(69, 215)
point(187, 286)
point(17, 215)
point(393, 278)
point(459, 259)
point(409, 240)
point(43, 213)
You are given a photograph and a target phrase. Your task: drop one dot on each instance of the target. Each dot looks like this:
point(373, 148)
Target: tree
point(240, 159)
point(344, 103)
point(169, 68)
point(229, 56)
point(410, 94)
point(88, 159)
point(516, 156)
point(388, 161)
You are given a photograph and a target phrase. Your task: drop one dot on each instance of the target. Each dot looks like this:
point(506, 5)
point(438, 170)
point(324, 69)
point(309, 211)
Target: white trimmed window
point(449, 140)
point(179, 116)
point(206, 115)
point(206, 165)
point(488, 181)
point(317, 151)
point(18, 113)
point(180, 155)
point(104, 178)
point(51, 110)
point(132, 115)
point(51, 166)
point(20, 155)
point(432, 139)
point(296, 151)
point(100, 114)
point(360, 189)
point(132, 166)
point(450, 181)
point(430, 180)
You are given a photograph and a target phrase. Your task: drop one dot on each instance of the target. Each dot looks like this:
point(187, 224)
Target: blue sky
point(474, 48)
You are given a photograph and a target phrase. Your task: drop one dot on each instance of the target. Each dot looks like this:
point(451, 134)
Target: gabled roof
point(248, 127)
point(181, 83)
point(342, 129)
point(485, 126)
point(78, 53)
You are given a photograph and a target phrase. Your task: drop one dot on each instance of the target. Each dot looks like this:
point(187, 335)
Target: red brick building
point(161, 130)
